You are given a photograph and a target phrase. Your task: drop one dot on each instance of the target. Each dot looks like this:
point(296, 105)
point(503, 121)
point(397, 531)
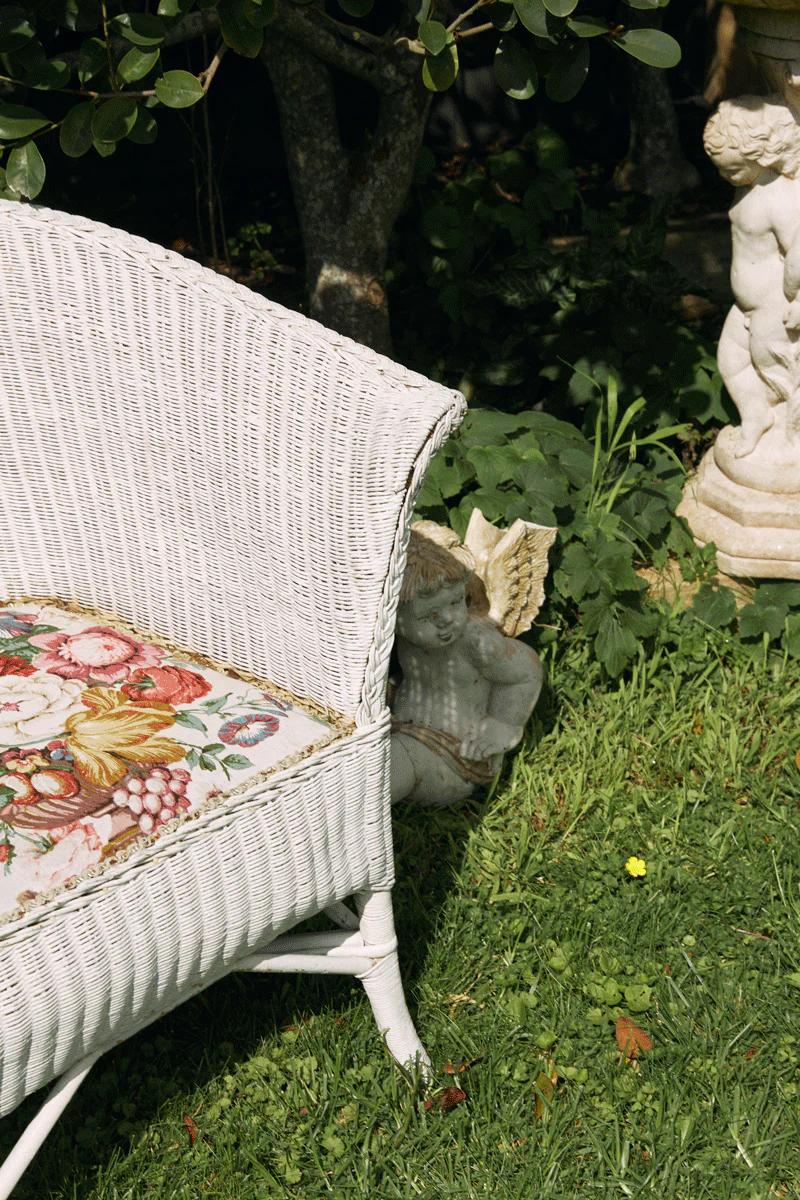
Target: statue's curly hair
point(762, 128)
point(434, 561)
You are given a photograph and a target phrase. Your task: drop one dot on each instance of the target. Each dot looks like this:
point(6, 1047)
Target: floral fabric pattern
point(106, 738)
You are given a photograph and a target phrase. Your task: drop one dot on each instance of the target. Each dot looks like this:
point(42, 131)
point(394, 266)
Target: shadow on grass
point(205, 1037)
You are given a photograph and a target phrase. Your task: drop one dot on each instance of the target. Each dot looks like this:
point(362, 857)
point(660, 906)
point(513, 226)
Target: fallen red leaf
point(450, 1097)
point(191, 1129)
point(631, 1038)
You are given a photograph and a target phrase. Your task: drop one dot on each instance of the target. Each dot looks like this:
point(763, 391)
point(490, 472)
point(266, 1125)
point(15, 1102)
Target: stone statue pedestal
point(745, 497)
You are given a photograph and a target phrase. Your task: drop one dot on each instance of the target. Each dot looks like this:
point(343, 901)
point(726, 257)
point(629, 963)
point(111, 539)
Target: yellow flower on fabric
point(636, 867)
point(113, 732)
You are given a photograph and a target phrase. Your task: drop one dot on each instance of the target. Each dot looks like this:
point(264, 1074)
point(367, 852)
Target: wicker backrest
point(201, 462)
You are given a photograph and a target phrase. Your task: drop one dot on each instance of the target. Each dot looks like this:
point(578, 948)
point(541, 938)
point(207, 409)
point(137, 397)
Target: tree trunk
point(346, 204)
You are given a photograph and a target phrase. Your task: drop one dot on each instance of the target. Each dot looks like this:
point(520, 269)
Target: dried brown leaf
point(631, 1038)
point(191, 1129)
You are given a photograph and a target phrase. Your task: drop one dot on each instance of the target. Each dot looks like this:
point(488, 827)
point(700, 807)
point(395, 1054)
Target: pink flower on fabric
point(98, 653)
point(248, 730)
point(77, 847)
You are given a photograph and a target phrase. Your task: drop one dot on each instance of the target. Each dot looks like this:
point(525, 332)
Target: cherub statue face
point(434, 620)
point(736, 167)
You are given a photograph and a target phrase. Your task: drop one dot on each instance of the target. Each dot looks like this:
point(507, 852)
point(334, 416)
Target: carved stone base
point(757, 533)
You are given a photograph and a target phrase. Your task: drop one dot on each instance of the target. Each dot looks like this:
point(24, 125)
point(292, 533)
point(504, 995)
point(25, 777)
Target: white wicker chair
point(237, 480)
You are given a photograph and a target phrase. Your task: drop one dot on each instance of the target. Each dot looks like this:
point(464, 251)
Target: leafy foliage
point(601, 492)
point(95, 72)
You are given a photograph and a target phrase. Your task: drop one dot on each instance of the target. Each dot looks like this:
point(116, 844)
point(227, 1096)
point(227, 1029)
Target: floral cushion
point(106, 738)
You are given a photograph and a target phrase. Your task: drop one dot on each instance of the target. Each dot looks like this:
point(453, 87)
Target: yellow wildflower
point(636, 867)
point(113, 733)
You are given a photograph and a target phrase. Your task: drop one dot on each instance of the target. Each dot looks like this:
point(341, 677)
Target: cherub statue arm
point(787, 230)
point(516, 676)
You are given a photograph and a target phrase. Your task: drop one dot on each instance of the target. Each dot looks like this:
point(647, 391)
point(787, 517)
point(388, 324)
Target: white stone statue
point(755, 143)
point(745, 496)
point(467, 689)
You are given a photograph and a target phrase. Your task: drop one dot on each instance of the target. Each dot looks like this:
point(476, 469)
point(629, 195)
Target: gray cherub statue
point(468, 687)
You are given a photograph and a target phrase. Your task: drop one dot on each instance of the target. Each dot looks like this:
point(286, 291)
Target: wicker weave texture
point(99, 963)
point(205, 464)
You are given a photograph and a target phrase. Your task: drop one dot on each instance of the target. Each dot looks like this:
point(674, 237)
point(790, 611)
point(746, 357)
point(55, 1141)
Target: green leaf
point(190, 721)
point(104, 149)
point(515, 70)
point(758, 619)
point(25, 170)
point(560, 8)
point(433, 36)
point(714, 606)
point(16, 121)
point(92, 59)
point(145, 131)
point(577, 575)
point(442, 226)
point(169, 8)
point(261, 12)
point(503, 17)
point(568, 72)
point(356, 8)
point(645, 4)
point(237, 32)
point(585, 26)
point(236, 762)
point(143, 29)
point(75, 134)
point(114, 119)
point(439, 71)
point(533, 15)
point(136, 64)
point(615, 645)
point(791, 637)
point(650, 46)
point(178, 89)
point(16, 29)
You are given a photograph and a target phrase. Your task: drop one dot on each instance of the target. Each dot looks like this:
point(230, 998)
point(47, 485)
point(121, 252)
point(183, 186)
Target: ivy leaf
point(25, 170)
point(533, 15)
point(75, 134)
point(791, 639)
point(650, 46)
point(439, 71)
point(114, 119)
point(137, 63)
point(16, 121)
point(515, 70)
point(615, 645)
point(237, 32)
point(433, 36)
point(577, 576)
point(178, 89)
point(568, 72)
point(758, 619)
point(714, 606)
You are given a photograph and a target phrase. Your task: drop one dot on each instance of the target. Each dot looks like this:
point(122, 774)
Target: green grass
point(522, 939)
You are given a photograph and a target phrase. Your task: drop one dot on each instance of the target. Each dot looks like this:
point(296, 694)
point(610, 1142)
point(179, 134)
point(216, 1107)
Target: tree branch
point(364, 63)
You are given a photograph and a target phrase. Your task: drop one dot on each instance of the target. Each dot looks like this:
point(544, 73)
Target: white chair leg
point(36, 1132)
point(384, 985)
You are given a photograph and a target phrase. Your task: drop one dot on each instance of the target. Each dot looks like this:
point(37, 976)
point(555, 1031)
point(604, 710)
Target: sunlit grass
point(523, 937)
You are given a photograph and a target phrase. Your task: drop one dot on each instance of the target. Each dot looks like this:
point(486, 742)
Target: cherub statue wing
point(513, 565)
